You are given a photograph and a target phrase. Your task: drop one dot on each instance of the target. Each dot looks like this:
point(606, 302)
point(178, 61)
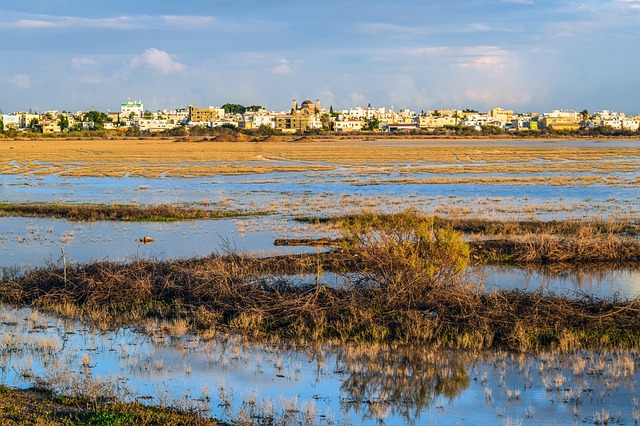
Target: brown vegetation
point(403, 282)
point(188, 157)
point(92, 212)
point(532, 242)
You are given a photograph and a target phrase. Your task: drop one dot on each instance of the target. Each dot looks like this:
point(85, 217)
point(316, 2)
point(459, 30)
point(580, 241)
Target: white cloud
point(82, 62)
point(632, 4)
point(158, 60)
point(382, 28)
point(190, 22)
point(23, 81)
point(29, 23)
point(496, 97)
point(489, 61)
point(356, 98)
point(284, 67)
point(473, 28)
point(46, 21)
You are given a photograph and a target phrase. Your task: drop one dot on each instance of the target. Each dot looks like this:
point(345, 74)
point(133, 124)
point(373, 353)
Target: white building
point(11, 121)
point(347, 126)
point(132, 107)
point(155, 125)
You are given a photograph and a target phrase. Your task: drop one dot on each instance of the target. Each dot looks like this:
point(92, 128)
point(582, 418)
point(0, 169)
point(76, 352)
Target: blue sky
point(526, 55)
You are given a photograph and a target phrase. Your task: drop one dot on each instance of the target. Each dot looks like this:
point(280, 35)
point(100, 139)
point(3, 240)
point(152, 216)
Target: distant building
point(11, 121)
point(346, 126)
point(205, 115)
point(131, 107)
point(499, 114)
point(560, 120)
point(155, 125)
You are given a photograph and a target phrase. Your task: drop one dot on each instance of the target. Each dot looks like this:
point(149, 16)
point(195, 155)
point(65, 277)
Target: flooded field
point(231, 378)
point(509, 179)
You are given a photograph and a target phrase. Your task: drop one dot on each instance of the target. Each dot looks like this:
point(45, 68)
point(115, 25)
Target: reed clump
point(402, 281)
point(531, 242)
point(120, 212)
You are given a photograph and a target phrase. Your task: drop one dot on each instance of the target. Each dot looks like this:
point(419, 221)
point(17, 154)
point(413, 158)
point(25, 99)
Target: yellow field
point(155, 157)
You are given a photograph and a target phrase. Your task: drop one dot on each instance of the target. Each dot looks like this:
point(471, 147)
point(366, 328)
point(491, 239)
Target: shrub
point(406, 254)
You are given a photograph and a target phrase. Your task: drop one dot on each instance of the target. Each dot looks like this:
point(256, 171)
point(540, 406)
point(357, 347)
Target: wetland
point(471, 282)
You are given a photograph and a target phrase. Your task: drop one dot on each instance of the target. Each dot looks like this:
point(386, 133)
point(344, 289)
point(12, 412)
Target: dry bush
point(406, 255)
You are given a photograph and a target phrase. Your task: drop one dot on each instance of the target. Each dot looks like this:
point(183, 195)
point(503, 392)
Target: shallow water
point(35, 242)
point(600, 282)
point(340, 385)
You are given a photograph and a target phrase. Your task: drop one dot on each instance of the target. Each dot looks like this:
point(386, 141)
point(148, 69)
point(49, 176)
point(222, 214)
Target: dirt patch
point(304, 139)
point(239, 137)
point(272, 139)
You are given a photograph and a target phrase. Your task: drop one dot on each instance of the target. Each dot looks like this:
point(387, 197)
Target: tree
point(98, 118)
point(148, 115)
point(63, 122)
point(325, 119)
point(373, 124)
point(1, 126)
point(233, 108)
point(265, 130)
point(585, 117)
point(457, 117)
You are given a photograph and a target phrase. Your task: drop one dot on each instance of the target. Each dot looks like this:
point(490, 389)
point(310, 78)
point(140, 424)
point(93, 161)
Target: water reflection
point(36, 242)
point(401, 383)
point(603, 281)
point(230, 378)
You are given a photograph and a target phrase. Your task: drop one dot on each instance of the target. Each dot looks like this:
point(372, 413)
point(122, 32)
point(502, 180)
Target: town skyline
point(525, 55)
point(310, 116)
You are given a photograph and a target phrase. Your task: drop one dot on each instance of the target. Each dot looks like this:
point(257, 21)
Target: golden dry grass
point(156, 157)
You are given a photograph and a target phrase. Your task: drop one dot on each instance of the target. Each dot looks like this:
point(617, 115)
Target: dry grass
point(155, 157)
point(402, 283)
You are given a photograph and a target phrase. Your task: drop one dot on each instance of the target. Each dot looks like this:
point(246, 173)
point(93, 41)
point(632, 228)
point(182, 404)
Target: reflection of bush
point(406, 380)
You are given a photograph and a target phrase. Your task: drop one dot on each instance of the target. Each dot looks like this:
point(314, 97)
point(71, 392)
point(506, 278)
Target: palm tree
point(585, 117)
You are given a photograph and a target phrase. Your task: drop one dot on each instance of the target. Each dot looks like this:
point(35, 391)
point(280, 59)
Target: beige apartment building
point(205, 115)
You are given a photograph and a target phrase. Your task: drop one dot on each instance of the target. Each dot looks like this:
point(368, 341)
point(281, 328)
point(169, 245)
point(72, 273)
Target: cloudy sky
point(526, 55)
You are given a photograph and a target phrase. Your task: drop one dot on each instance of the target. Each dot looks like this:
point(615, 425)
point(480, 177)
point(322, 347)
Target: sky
point(525, 55)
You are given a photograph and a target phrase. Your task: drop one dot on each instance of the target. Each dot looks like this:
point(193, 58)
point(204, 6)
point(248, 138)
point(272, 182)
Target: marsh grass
point(120, 212)
point(525, 242)
point(43, 407)
point(403, 282)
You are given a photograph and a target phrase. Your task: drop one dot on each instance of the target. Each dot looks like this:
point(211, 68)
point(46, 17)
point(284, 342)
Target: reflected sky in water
point(356, 385)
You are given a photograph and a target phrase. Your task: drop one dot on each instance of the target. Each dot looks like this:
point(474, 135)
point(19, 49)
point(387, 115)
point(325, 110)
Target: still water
point(377, 385)
point(35, 242)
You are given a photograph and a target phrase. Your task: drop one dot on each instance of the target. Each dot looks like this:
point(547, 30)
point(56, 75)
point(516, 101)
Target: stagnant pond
point(231, 378)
